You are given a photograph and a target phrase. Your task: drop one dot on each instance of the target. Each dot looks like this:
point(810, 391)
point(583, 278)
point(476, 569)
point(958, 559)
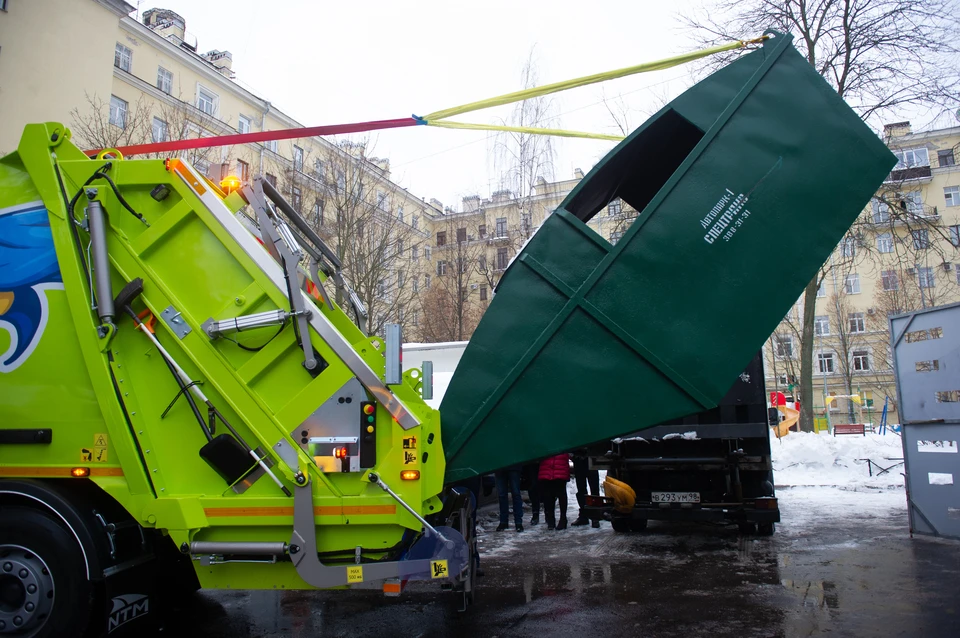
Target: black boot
point(580, 522)
point(535, 519)
point(562, 524)
point(501, 527)
point(594, 524)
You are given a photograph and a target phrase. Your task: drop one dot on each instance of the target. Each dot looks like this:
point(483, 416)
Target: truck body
point(187, 400)
point(713, 466)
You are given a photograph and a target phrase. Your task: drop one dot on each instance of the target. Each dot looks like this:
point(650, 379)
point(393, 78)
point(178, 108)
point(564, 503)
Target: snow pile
point(686, 436)
point(805, 458)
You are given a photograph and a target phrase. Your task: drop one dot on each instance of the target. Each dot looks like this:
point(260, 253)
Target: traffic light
point(368, 434)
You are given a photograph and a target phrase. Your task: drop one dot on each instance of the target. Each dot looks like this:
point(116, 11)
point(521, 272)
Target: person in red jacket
point(553, 476)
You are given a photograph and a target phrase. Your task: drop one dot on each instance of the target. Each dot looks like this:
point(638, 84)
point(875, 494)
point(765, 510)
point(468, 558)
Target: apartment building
point(902, 254)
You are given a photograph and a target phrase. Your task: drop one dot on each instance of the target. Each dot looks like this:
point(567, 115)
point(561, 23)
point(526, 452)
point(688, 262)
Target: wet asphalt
point(828, 570)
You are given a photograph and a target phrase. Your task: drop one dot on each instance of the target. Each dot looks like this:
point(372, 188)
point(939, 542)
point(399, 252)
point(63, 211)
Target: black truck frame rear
point(726, 465)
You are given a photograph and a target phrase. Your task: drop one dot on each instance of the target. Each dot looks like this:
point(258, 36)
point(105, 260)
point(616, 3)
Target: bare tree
point(880, 55)
point(522, 160)
point(102, 125)
point(452, 306)
point(350, 201)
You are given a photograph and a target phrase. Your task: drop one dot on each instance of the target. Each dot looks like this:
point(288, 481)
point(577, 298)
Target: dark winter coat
point(555, 468)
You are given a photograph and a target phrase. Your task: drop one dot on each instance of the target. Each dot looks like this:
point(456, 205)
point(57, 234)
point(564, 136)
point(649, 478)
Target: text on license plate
point(675, 497)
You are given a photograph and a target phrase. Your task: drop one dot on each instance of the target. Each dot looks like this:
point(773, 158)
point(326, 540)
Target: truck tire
point(766, 529)
point(44, 589)
point(638, 525)
point(620, 525)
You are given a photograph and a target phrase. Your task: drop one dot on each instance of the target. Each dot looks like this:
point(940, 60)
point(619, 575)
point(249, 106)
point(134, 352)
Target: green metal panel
point(586, 341)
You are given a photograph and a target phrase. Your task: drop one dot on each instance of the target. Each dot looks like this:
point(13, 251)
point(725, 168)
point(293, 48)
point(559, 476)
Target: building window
point(426, 282)
point(885, 243)
point(921, 239)
point(614, 207)
point(382, 201)
point(399, 248)
point(501, 258)
point(400, 214)
point(881, 212)
point(848, 247)
point(206, 101)
point(297, 158)
point(3, 5)
point(821, 325)
point(271, 145)
point(910, 157)
point(318, 213)
point(297, 199)
point(945, 158)
point(861, 360)
point(319, 170)
point(889, 279)
point(341, 180)
point(925, 277)
point(164, 80)
point(415, 222)
point(952, 195)
point(912, 202)
point(243, 124)
point(821, 291)
point(526, 222)
point(482, 230)
point(955, 235)
point(483, 293)
point(381, 290)
point(783, 346)
point(427, 253)
point(615, 236)
point(415, 284)
point(401, 278)
point(851, 284)
point(272, 179)
point(482, 263)
point(441, 238)
point(415, 317)
point(415, 253)
point(118, 112)
point(825, 363)
point(461, 235)
point(856, 322)
point(462, 265)
point(158, 131)
point(501, 226)
point(122, 58)
point(244, 169)
point(441, 268)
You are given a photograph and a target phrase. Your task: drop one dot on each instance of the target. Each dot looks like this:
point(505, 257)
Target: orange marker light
point(80, 472)
point(340, 452)
point(230, 184)
point(410, 475)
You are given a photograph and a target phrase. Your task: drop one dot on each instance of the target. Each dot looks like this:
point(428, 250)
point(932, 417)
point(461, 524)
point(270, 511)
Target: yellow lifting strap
point(556, 87)
point(525, 129)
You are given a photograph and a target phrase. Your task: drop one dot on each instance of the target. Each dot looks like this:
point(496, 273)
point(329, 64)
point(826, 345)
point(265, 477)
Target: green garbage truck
point(186, 399)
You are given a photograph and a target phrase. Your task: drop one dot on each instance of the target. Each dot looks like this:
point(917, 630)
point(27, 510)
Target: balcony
point(921, 174)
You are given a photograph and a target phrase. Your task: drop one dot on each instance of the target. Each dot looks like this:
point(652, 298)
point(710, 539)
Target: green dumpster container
point(745, 184)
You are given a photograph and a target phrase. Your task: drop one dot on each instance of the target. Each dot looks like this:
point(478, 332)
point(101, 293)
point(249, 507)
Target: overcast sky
point(332, 62)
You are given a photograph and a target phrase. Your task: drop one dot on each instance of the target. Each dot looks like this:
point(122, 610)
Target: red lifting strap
point(262, 136)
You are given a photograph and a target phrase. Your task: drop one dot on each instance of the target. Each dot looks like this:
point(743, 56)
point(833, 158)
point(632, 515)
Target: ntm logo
point(127, 608)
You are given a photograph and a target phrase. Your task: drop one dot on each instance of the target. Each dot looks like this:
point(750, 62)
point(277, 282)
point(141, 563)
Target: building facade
point(902, 254)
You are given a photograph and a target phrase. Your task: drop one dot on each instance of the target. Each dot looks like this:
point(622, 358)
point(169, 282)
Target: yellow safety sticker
point(100, 454)
point(409, 458)
point(86, 455)
point(355, 574)
point(410, 443)
point(99, 440)
point(438, 569)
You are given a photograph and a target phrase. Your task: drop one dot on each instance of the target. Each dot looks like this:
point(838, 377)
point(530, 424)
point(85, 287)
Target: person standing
point(508, 480)
point(554, 474)
point(585, 476)
point(530, 471)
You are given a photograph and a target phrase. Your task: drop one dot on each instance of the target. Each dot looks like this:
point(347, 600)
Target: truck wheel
point(747, 529)
point(44, 589)
point(766, 529)
point(620, 525)
point(638, 524)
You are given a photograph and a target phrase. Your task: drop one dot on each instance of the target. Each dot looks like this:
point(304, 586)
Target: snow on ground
point(805, 458)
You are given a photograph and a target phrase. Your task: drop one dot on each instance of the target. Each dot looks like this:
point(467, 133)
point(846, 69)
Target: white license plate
point(675, 497)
